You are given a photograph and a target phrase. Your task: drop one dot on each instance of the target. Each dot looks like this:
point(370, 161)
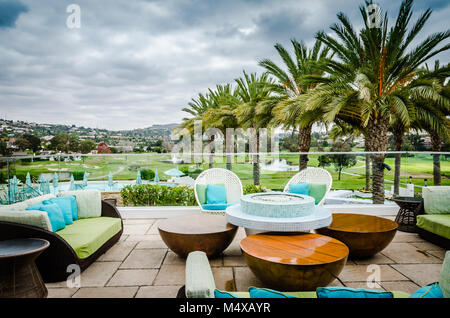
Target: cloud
point(137, 63)
point(9, 13)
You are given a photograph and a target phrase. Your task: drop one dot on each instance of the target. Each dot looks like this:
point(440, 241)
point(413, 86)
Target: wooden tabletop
point(20, 247)
point(196, 224)
point(295, 249)
point(360, 223)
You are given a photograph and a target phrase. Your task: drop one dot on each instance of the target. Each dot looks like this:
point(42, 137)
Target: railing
point(415, 169)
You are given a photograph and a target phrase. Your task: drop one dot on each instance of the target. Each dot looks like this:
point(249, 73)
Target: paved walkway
point(140, 265)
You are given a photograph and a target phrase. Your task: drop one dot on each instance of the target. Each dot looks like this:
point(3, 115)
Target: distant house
point(19, 154)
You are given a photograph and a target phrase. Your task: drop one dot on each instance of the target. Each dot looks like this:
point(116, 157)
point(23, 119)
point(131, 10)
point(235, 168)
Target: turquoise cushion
point(216, 194)
point(267, 293)
point(54, 213)
point(216, 207)
point(317, 191)
point(346, 292)
point(430, 291)
point(73, 203)
point(299, 188)
point(65, 204)
point(224, 294)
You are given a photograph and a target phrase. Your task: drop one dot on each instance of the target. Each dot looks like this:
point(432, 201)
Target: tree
point(254, 90)
point(4, 150)
point(65, 143)
point(342, 161)
point(290, 109)
point(366, 79)
point(86, 146)
point(22, 143)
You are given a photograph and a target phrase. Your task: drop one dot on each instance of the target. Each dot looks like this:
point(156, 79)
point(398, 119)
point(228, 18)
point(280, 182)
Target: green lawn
point(125, 168)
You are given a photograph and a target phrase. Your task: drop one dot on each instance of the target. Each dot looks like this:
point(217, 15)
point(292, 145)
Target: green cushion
point(436, 200)
point(201, 193)
point(317, 191)
point(444, 280)
point(86, 236)
point(438, 224)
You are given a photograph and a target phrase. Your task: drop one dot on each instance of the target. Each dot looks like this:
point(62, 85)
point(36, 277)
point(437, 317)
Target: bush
point(78, 175)
point(156, 195)
point(147, 174)
point(251, 188)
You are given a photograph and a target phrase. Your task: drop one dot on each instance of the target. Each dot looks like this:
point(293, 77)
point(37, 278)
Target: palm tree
point(290, 109)
point(222, 116)
point(253, 90)
point(433, 111)
point(366, 78)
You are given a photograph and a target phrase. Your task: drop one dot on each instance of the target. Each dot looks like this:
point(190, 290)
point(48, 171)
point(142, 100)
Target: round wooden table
point(19, 275)
point(201, 232)
point(365, 235)
point(294, 262)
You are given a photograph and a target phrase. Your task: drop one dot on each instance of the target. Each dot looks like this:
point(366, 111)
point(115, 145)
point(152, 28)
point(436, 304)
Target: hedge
point(157, 195)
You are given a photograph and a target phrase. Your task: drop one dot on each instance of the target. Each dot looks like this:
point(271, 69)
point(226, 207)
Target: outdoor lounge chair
point(433, 219)
point(78, 244)
point(200, 281)
point(312, 175)
point(219, 176)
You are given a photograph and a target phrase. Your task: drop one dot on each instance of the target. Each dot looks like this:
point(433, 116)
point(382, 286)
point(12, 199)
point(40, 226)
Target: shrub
point(147, 174)
point(78, 175)
point(157, 195)
point(251, 188)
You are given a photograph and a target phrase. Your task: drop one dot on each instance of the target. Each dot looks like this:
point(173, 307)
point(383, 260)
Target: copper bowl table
point(201, 232)
point(19, 275)
point(294, 262)
point(365, 235)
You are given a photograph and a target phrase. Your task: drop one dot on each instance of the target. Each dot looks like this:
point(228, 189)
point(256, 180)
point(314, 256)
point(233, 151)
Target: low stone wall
point(113, 195)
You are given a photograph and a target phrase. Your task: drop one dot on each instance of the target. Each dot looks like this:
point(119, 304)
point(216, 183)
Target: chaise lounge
point(433, 219)
point(80, 243)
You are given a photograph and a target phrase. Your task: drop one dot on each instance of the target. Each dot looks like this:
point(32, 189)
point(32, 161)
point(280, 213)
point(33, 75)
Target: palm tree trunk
point(377, 140)
point(211, 151)
point(304, 144)
point(256, 176)
point(367, 167)
point(398, 143)
point(436, 144)
point(229, 150)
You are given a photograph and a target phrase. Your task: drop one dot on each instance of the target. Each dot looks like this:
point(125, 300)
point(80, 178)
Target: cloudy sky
point(134, 63)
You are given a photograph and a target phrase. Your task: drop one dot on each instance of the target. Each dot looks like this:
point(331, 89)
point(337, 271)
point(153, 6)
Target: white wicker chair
point(312, 175)
point(233, 185)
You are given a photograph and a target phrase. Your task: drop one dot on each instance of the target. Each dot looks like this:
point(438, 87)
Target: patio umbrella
point(28, 180)
point(42, 184)
point(55, 180)
point(139, 179)
point(72, 183)
point(110, 180)
point(174, 172)
point(12, 190)
point(156, 179)
point(85, 178)
point(47, 187)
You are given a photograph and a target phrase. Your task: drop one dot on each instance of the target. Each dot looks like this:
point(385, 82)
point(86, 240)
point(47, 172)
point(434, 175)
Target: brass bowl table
point(201, 232)
point(294, 262)
point(365, 235)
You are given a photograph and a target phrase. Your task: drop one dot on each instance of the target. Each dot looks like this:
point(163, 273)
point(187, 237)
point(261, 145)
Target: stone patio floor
point(140, 265)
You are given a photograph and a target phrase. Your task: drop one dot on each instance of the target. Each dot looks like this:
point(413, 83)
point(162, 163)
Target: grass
point(125, 167)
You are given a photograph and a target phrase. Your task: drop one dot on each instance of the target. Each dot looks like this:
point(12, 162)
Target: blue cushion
point(430, 291)
point(224, 294)
point(267, 293)
point(216, 194)
point(299, 188)
point(346, 292)
point(74, 205)
point(216, 206)
point(54, 213)
point(65, 204)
